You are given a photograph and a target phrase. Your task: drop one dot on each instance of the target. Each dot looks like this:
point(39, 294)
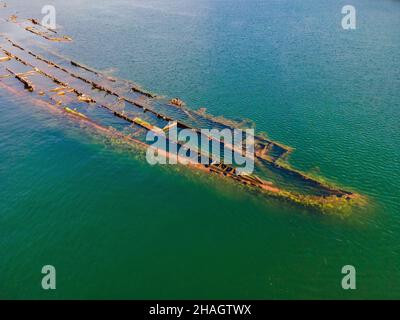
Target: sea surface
point(115, 227)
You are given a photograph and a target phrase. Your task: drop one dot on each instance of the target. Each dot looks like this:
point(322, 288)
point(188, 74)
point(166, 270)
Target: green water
point(115, 227)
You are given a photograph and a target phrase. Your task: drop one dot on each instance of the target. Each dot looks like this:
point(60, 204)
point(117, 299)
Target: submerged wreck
point(121, 109)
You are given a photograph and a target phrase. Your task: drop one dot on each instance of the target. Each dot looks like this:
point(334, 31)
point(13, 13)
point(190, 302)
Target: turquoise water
point(114, 227)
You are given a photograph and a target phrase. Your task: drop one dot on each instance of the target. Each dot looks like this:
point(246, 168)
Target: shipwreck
point(123, 110)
